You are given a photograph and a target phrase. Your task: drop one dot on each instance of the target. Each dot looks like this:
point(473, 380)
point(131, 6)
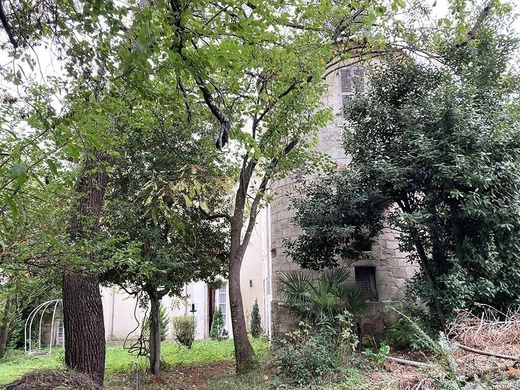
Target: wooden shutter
point(366, 282)
point(358, 75)
point(346, 81)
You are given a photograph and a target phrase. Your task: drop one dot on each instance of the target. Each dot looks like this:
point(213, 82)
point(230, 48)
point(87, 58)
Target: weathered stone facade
point(392, 270)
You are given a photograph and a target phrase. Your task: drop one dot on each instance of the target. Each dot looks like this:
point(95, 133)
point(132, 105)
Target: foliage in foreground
point(310, 354)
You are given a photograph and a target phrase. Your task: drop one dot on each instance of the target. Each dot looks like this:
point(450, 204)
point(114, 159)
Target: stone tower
point(382, 274)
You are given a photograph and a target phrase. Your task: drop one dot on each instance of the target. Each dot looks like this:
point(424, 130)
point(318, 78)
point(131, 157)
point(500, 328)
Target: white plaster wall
point(118, 313)
point(253, 274)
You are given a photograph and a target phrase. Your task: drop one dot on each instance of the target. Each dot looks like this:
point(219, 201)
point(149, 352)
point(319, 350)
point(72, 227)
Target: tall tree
point(59, 126)
point(435, 154)
point(259, 67)
point(156, 213)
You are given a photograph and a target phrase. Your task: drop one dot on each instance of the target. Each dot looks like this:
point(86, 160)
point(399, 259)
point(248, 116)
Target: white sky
point(441, 8)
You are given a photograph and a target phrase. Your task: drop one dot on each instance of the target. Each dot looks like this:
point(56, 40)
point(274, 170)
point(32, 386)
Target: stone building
point(383, 272)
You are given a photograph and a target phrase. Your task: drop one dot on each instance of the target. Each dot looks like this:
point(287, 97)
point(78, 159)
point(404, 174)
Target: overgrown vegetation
point(310, 354)
point(435, 155)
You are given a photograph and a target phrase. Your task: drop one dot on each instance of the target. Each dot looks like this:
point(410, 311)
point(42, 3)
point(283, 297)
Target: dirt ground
point(190, 377)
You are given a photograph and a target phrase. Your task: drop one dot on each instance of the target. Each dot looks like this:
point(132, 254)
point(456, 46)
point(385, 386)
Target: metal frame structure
point(40, 311)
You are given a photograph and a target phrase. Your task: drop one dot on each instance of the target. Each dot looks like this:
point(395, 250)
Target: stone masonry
point(392, 269)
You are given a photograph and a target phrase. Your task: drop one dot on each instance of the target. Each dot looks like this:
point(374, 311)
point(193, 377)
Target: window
point(353, 81)
point(366, 282)
point(222, 302)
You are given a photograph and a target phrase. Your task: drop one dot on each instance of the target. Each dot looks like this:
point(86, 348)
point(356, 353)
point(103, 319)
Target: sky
point(441, 7)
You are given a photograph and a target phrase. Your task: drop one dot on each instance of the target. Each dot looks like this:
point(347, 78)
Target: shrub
point(184, 329)
point(217, 331)
point(314, 300)
point(402, 334)
point(164, 319)
point(307, 357)
point(256, 327)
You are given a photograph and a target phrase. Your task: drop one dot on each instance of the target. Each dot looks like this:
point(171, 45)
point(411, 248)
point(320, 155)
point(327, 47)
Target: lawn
point(16, 363)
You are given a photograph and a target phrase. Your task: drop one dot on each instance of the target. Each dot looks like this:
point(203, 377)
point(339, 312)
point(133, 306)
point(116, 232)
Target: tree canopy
point(435, 156)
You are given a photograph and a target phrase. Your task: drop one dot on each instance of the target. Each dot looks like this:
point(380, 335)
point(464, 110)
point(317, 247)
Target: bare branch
point(478, 24)
point(215, 215)
point(7, 26)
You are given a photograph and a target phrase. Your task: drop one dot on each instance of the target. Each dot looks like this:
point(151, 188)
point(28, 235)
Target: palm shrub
point(322, 298)
point(184, 329)
point(256, 327)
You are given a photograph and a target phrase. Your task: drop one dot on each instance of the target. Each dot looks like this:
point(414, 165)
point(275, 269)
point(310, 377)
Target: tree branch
point(215, 215)
point(261, 191)
point(478, 24)
point(7, 27)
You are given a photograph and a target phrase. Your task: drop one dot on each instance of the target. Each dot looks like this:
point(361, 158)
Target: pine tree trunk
point(82, 305)
point(4, 328)
point(155, 335)
point(244, 354)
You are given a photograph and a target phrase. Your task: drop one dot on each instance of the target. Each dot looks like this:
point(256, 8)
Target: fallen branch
point(409, 362)
point(479, 351)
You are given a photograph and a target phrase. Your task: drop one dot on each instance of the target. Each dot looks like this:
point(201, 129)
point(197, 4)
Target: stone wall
point(392, 267)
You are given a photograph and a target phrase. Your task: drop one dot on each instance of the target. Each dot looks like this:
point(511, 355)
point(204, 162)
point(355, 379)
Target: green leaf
point(18, 170)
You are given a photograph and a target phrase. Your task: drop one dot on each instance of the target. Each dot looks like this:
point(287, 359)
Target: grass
point(351, 378)
point(16, 363)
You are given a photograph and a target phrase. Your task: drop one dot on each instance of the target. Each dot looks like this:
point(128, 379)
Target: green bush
point(323, 298)
point(217, 331)
point(306, 357)
point(164, 319)
point(256, 327)
point(402, 334)
point(184, 329)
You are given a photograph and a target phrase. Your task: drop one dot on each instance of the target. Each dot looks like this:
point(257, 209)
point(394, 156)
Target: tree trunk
point(155, 335)
point(4, 328)
point(82, 305)
point(423, 261)
point(244, 354)
point(83, 323)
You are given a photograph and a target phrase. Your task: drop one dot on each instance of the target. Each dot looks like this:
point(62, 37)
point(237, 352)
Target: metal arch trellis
point(40, 311)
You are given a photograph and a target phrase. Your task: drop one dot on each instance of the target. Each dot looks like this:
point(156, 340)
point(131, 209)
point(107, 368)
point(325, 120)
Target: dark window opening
point(366, 282)
point(363, 245)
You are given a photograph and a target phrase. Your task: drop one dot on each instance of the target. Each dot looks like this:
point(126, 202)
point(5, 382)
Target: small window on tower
point(353, 81)
point(366, 282)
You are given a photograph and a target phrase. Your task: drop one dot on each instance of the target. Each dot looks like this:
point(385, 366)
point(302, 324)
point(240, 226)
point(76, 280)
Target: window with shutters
point(353, 81)
point(366, 282)
point(222, 302)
